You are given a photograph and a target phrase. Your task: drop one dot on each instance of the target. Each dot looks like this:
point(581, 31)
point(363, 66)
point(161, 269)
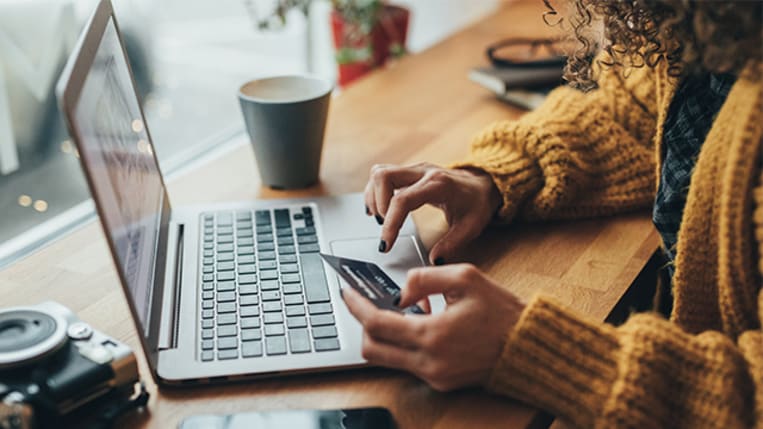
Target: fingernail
point(341, 293)
point(379, 220)
point(382, 246)
point(439, 261)
point(368, 211)
point(396, 301)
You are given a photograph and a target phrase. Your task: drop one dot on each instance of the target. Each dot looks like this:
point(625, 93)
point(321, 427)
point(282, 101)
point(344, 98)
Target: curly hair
point(692, 36)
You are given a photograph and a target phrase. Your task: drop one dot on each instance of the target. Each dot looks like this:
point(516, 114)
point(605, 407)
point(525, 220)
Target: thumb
point(454, 238)
point(426, 281)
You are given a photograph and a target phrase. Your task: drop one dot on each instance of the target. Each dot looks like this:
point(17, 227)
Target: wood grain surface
point(421, 108)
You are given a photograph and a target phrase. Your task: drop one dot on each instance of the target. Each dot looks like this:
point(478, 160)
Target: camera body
point(53, 365)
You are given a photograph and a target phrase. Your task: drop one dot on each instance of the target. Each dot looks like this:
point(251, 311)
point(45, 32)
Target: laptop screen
point(125, 178)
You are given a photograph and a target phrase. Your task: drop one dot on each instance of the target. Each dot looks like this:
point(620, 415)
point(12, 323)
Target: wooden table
point(422, 108)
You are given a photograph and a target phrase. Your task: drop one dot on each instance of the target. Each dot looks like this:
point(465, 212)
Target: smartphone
point(350, 418)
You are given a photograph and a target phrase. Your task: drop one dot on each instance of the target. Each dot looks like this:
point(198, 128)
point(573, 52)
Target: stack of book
point(523, 87)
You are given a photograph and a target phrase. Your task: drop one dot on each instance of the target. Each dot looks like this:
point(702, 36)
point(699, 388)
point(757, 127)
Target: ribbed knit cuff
point(556, 361)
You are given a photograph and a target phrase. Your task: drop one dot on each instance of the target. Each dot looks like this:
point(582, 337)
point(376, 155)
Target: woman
point(668, 115)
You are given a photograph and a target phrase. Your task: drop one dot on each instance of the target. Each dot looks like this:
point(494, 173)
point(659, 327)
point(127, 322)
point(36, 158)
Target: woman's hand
point(452, 349)
point(469, 198)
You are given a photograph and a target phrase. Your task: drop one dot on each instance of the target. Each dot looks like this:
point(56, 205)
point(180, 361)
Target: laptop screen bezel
point(69, 90)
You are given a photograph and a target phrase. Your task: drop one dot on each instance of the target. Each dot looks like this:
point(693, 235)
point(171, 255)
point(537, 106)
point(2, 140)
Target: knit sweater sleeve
point(578, 155)
point(645, 373)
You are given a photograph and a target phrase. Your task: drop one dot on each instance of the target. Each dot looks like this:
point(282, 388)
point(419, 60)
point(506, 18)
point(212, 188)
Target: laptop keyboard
point(263, 286)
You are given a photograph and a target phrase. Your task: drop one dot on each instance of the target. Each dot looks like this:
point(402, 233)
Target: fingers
point(385, 179)
point(460, 233)
point(388, 326)
point(379, 353)
point(450, 280)
point(405, 202)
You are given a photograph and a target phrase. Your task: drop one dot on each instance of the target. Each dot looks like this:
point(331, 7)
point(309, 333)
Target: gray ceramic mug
point(286, 119)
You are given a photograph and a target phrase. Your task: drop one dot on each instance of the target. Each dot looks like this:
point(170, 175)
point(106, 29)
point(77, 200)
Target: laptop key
point(246, 259)
point(287, 259)
point(268, 265)
point(226, 296)
point(207, 324)
point(282, 217)
point(295, 310)
point(262, 217)
point(324, 332)
point(271, 306)
point(296, 322)
point(272, 318)
point(299, 341)
point(264, 229)
point(319, 308)
point(287, 250)
point(225, 276)
point(290, 278)
point(306, 230)
point(225, 239)
point(226, 307)
point(209, 261)
point(207, 304)
point(225, 266)
point(207, 314)
point(225, 286)
point(251, 334)
point(207, 355)
point(250, 322)
point(227, 247)
point(269, 275)
point(245, 250)
point(247, 269)
point(229, 331)
point(227, 354)
point(271, 330)
point(271, 295)
point(225, 230)
point(247, 279)
point(292, 299)
point(269, 285)
point(316, 288)
point(249, 311)
point(283, 232)
point(207, 294)
point(285, 241)
point(226, 319)
point(275, 345)
point(309, 248)
point(208, 252)
point(307, 239)
point(326, 344)
point(291, 288)
point(224, 256)
point(224, 219)
point(266, 256)
point(243, 215)
point(207, 334)
point(248, 300)
point(209, 286)
point(265, 247)
point(289, 268)
point(251, 349)
point(207, 277)
point(322, 320)
point(227, 343)
point(208, 269)
point(207, 345)
point(245, 241)
point(247, 289)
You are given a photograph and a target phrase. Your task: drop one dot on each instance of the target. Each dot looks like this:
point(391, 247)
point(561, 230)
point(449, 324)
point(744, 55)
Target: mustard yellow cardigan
point(582, 155)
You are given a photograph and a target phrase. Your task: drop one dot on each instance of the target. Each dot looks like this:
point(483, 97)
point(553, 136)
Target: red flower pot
point(359, 52)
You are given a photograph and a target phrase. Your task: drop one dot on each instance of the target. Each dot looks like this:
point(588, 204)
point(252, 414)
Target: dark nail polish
point(396, 301)
point(379, 220)
point(382, 246)
point(368, 211)
point(439, 261)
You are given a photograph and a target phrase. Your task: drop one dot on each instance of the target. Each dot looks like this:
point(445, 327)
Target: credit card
point(370, 281)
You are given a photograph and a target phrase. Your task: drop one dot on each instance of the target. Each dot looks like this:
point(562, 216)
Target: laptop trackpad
point(403, 256)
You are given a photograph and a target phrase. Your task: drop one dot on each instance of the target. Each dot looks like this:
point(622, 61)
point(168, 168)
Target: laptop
point(217, 292)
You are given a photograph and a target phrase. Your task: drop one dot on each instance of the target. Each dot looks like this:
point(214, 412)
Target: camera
point(55, 367)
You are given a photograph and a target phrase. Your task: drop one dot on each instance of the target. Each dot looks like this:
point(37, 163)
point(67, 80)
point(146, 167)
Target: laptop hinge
point(168, 330)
